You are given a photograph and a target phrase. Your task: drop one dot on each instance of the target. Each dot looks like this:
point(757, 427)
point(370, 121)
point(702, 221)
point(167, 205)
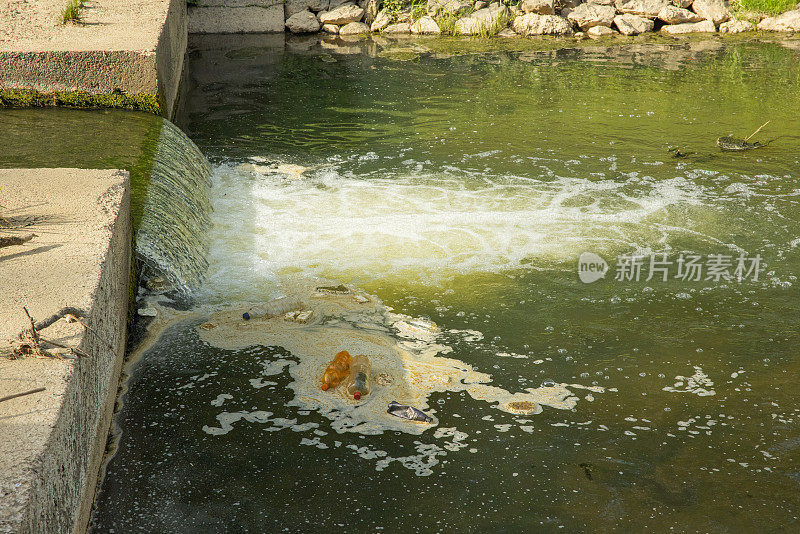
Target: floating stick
point(759, 129)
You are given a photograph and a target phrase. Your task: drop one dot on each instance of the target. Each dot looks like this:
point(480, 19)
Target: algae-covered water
point(461, 190)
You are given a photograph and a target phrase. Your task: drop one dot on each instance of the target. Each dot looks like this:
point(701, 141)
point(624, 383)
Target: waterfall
point(171, 240)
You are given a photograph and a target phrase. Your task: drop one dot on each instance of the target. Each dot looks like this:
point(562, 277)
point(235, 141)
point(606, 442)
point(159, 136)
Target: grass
point(499, 24)
point(419, 8)
point(447, 23)
point(72, 13)
point(772, 7)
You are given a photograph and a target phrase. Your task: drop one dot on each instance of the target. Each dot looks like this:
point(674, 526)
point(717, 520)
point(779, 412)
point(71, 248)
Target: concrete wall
point(171, 54)
point(139, 50)
point(53, 442)
point(236, 16)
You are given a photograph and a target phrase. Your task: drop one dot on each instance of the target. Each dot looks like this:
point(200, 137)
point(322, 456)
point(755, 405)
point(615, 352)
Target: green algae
point(25, 98)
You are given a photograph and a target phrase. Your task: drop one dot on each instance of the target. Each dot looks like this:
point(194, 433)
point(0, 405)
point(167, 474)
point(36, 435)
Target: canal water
point(453, 195)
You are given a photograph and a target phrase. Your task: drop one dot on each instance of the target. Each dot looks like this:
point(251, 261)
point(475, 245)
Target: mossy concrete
point(24, 98)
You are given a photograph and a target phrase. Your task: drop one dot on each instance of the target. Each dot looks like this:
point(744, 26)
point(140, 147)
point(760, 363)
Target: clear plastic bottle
point(337, 370)
point(360, 376)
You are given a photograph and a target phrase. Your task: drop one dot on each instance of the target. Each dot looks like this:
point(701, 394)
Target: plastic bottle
point(360, 375)
point(337, 370)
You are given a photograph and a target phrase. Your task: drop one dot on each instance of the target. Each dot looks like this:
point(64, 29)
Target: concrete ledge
point(135, 46)
point(236, 16)
point(53, 442)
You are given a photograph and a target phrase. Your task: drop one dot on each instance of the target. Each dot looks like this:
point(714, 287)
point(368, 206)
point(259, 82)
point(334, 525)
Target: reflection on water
point(462, 189)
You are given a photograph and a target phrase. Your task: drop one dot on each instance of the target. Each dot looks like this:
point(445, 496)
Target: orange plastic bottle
point(337, 371)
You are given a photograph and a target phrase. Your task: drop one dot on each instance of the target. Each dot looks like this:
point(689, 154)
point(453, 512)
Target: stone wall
point(509, 18)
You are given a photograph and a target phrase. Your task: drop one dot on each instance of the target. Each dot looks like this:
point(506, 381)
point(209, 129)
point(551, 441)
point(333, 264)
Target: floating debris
point(208, 326)
point(341, 289)
point(404, 411)
point(523, 407)
point(289, 170)
point(732, 144)
point(299, 316)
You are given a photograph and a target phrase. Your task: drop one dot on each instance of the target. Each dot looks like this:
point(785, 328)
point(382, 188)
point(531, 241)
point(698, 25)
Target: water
point(170, 177)
point(171, 238)
point(462, 189)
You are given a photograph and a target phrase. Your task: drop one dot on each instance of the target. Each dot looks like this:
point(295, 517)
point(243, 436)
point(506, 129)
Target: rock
point(443, 7)
point(400, 27)
point(682, 3)
point(290, 7)
point(643, 8)
point(541, 7)
point(589, 15)
point(480, 5)
point(785, 22)
point(330, 28)
point(303, 22)
point(533, 24)
point(677, 15)
point(370, 11)
point(344, 14)
point(425, 25)
point(633, 24)
point(333, 4)
point(353, 28)
point(689, 27)
point(489, 20)
point(716, 11)
point(565, 12)
point(507, 32)
point(381, 21)
point(600, 2)
point(736, 26)
point(404, 16)
point(599, 31)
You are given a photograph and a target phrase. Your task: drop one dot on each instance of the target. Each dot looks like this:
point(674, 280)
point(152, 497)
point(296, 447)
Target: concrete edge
point(64, 487)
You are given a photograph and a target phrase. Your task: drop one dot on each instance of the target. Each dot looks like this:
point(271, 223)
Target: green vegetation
point(494, 29)
point(393, 7)
point(447, 22)
point(773, 7)
point(419, 8)
point(72, 13)
point(24, 98)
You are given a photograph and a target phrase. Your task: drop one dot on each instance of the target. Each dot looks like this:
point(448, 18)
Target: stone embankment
point(593, 18)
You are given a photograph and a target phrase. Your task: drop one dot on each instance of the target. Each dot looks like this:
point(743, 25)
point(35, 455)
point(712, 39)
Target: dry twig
point(14, 396)
point(8, 241)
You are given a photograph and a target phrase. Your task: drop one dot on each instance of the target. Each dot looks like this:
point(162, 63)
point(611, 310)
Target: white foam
point(341, 227)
